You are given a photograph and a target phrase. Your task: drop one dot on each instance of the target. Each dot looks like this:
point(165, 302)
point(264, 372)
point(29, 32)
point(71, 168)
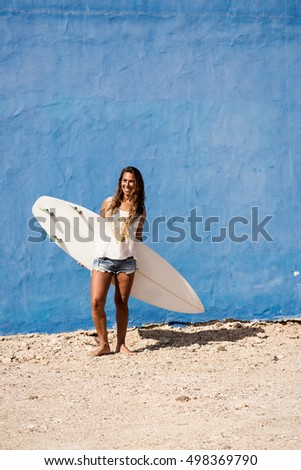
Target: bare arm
point(139, 232)
point(104, 208)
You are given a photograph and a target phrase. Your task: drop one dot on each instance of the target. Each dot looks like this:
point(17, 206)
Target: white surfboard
point(74, 228)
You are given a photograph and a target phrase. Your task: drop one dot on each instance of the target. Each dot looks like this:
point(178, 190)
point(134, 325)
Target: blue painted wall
point(204, 97)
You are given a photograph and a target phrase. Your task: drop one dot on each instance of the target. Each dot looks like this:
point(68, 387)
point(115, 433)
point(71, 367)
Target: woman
point(115, 255)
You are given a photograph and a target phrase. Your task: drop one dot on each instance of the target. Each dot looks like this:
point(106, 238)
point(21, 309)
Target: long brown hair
point(137, 196)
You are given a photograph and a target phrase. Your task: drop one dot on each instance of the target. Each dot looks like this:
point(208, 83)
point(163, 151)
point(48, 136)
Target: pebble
point(241, 406)
point(6, 360)
point(165, 340)
point(26, 358)
point(53, 341)
point(277, 358)
point(183, 398)
point(193, 347)
point(36, 428)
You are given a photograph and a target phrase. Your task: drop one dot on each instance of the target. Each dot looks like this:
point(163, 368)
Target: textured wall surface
point(203, 97)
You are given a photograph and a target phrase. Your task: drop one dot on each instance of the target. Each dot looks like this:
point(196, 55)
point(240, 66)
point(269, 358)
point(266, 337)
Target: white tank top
point(116, 240)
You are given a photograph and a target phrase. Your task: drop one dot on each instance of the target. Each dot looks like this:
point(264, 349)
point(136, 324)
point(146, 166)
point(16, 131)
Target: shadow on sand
point(182, 337)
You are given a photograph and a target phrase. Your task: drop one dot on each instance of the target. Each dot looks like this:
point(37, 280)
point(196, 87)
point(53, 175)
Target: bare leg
point(123, 286)
point(100, 283)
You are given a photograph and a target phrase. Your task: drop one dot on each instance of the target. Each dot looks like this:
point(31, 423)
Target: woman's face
point(128, 183)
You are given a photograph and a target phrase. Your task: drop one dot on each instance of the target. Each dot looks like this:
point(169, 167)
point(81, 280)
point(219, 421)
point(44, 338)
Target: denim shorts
point(115, 266)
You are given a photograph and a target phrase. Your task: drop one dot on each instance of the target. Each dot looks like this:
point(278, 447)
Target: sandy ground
point(216, 385)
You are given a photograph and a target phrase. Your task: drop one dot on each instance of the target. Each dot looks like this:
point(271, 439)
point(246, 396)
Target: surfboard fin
point(48, 211)
point(54, 238)
point(76, 209)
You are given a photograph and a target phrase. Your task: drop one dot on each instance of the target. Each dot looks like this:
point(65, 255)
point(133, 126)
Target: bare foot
point(101, 350)
point(124, 350)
